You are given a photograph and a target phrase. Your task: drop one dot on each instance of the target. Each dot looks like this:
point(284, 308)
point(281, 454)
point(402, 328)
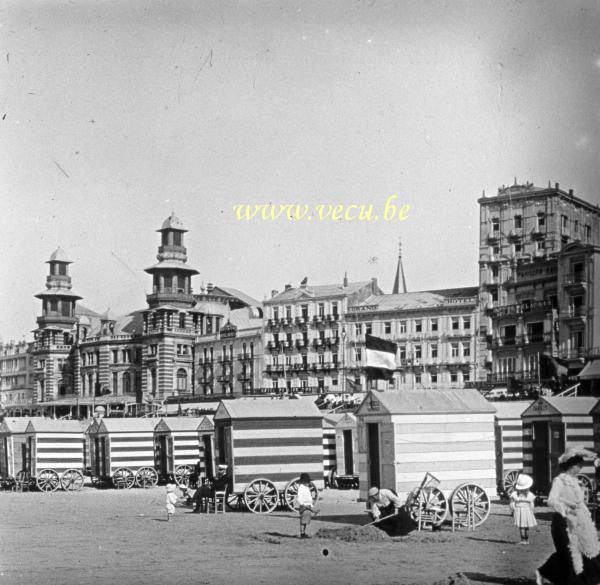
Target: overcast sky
point(113, 114)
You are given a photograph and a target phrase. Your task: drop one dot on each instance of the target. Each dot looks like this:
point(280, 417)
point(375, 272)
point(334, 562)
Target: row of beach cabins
point(399, 440)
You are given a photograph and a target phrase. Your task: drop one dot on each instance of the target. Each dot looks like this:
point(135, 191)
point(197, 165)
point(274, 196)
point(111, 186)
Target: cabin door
point(164, 455)
point(373, 454)
point(208, 456)
point(557, 447)
point(348, 454)
point(541, 455)
point(4, 470)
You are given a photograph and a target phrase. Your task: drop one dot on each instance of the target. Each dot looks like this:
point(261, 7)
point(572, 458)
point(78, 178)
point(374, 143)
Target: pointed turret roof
point(399, 273)
point(172, 223)
point(59, 256)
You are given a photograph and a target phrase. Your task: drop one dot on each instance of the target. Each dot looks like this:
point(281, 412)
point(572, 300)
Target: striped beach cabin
point(346, 450)
point(550, 426)
point(13, 445)
point(55, 452)
point(508, 427)
point(123, 451)
point(267, 444)
point(178, 446)
point(404, 435)
point(330, 422)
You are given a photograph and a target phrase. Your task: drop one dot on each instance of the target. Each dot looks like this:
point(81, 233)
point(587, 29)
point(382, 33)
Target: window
point(402, 349)
point(453, 377)
point(402, 326)
point(454, 349)
point(321, 359)
point(209, 325)
point(417, 378)
point(494, 293)
point(304, 311)
point(564, 222)
point(321, 309)
point(455, 324)
point(576, 228)
point(518, 247)
point(358, 354)
point(496, 250)
point(126, 356)
point(275, 313)
point(358, 328)
point(417, 352)
point(434, 324)
point(334, 381)
point(434, 350)
point(466, 376)
point(540, 245)
point(466, 322)
point(495, 271)
point(334, 307)
point(181, 320)
point(434, 377)
point(518, 221)
point(115, 382)
point(53, 305)
point(541, 220)
point(387, 327)
point(495, 224)
point(288, 312)
point(418, 326)
point(588, 233)
point(466, 350)
point(126, 380)
point(115, 356)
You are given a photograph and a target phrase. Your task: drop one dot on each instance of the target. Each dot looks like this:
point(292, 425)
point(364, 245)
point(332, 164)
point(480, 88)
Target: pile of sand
point(354, 534)
point(458, 579)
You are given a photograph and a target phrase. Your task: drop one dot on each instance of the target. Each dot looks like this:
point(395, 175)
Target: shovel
point(380, 520)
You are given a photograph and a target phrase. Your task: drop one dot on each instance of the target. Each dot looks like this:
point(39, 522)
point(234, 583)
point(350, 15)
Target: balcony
point(332, 317)
point(538, 232)
point(493, 236)
point(574, 354)
point(171, 295)
point(273, 345)
point(225, 378)
point(572, 312)
point(300, 367)
point(244, 376)
point(244, 356)
point(521, 308)
point(287, 344)
point(301, 343)
point(515, 234)
point(332, 341)
point(301, 320)
point(319, 342)
point(575, 280)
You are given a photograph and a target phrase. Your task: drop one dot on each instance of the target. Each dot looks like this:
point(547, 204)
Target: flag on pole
point(353, 386)
point(552, 368)
point(380, 358)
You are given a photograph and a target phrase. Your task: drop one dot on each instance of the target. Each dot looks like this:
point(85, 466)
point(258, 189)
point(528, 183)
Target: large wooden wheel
point(47, 480)
point(234, 501)
point(470, 496)
point(146, 477)
point(429, 503)
point(71, 480)
point(510, 481)
point(291, 491)
point(182, 474)
point(261, 496)
point(123, 477)
point(587, 485)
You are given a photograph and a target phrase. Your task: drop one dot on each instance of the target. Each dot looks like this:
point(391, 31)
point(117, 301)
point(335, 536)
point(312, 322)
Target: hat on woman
point(524, 482)
point(573, 452)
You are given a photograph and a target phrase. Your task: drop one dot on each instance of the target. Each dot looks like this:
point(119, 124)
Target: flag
point(552, 368)
point(380, 358)
point(352, 386)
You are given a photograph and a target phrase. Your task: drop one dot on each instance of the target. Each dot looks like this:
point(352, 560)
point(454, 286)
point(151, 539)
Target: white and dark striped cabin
point(207, 445)
point(550, 426)
point(404, 435)
point(329, 454)
point(177, 442)
point(122, 442)
point(508, 427)
point(271, 439)
point(13, 445)
point(346, 446)
point(55, 444)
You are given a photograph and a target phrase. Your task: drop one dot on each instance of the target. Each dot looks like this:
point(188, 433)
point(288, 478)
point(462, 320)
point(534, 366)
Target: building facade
point(538, 267)
point(437, 334)
point(16, 377)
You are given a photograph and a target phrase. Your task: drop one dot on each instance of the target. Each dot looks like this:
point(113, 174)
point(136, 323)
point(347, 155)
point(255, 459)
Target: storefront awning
point(591, 371)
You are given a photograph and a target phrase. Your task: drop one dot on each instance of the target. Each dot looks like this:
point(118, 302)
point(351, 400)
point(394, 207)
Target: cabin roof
point(262, 408)
point(511, 408)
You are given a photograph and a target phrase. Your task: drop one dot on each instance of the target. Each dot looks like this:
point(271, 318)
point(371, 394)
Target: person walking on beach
point(304, 503)
point(522, 506)
point(171, 500)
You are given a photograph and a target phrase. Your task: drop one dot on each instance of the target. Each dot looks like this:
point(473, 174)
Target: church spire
point(399, 272)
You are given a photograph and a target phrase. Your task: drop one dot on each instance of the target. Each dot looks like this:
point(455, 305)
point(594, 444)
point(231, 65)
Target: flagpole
point(538, 372)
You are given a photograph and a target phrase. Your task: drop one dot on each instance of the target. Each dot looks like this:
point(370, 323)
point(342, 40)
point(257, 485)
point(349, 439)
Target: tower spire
point(399, 272)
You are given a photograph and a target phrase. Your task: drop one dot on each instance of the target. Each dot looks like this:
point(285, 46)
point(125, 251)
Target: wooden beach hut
point(266, 445)
point(13, 445)
point(330, 421)
point(123, 451)
point(346, 450)
point(508, 427)
point(550, 426)
point(55, 453)
point(404, 435)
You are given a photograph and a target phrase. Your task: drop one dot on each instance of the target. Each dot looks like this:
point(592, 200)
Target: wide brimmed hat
point(304, 478)
point(373, 492)
point(170, 488)
point(573, 452)
point(524, 482)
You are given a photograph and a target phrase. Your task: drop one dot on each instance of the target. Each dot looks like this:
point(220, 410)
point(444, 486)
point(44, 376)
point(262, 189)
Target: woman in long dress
point(576, 560)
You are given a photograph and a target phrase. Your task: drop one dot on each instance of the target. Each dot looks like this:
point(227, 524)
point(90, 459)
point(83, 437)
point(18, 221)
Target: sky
point(115, 114)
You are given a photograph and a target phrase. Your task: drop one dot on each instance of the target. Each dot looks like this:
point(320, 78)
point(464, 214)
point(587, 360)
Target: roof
point(511, 408)
point(262, 408)
point(591, 371)
point(467, 400)
point(245, 318)
point(419, 300)
point(59, 256)
point(552, 405)
point(17, 424)
point(317, 292)
point(172, 223)
point(171, 265)
point(331, 419)
point(238, 294)
point(179, 423)
point(57, 292)
point(127, 425)
point(50, 425)
point(347, 420)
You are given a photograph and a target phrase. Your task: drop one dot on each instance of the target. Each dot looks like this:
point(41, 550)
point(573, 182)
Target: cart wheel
point(261, 496)
point(71, 480)
point(47, 480)
point(470, 494)
point(182, 475)
point(291, 491)
point(510, 481)
point(123, 478)
point(234, 501)
point(587, 485)
point(431, 503)
point(146, 477)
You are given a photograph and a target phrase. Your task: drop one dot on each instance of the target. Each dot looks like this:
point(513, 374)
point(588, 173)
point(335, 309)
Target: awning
point(591, 371)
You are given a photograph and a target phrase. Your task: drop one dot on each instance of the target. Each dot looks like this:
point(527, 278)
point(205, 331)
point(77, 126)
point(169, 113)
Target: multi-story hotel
point(437, 333)
point(16, 377)
point(539, 266)
point(303, 334)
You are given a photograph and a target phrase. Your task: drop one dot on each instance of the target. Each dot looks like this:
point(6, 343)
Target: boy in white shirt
point(304, 503)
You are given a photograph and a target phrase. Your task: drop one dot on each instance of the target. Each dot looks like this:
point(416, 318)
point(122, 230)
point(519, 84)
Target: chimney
point(209, 287)
point(288, 286)
point(274, 293)
point(345, 283)
point(373, 283)
point(556, 185)
point(304, 282)
point(570, 191)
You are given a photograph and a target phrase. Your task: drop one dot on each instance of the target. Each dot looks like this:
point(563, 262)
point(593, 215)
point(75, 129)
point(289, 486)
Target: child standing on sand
point(171, 500)
point(304, 503)
point(521, 504)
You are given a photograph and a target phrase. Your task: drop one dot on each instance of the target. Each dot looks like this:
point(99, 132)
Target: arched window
point(181, 380)
point(126, 383)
